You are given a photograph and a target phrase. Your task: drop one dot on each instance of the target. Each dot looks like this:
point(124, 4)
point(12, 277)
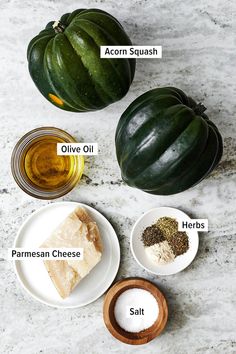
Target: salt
point(137, 299)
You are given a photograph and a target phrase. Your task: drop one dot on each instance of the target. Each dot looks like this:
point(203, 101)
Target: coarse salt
point(138, 299)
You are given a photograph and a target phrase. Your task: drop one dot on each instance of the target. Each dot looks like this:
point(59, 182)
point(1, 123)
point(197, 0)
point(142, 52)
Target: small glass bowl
point(18, 164)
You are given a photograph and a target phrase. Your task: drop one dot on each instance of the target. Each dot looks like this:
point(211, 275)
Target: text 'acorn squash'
point(65, 64)
point(165, 144)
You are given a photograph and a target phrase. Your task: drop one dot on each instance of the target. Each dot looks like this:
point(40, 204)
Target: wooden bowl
point(109, 318)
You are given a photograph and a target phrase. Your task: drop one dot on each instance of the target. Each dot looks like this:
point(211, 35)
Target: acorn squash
point(165, 143)
point(65, 64)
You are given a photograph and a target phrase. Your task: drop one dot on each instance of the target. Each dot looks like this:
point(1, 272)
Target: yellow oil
point(44, 168)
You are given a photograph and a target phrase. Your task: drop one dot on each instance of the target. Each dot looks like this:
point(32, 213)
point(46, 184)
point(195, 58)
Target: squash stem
point(199, 109)
point(58, 27)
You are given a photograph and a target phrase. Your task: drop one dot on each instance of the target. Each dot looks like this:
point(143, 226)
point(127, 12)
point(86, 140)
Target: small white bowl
point(138, 249)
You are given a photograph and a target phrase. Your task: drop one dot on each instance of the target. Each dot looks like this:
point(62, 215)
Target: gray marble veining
point(198, 39)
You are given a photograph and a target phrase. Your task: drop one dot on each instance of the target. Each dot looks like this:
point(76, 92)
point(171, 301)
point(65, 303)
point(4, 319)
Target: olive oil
point(37, 168)
point(44, 167)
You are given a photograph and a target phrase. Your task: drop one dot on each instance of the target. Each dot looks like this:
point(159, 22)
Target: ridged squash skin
point(65, 64)
point(165, 144)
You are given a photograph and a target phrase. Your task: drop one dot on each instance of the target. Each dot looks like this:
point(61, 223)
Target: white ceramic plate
point(138, 250)
point(32, 274)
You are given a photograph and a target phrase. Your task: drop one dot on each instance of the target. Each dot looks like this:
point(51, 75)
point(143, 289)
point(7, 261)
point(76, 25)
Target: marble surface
point(199, 57)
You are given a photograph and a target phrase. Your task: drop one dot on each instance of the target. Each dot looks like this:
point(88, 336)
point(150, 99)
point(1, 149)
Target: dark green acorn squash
point(165, 144)
point(65, 64)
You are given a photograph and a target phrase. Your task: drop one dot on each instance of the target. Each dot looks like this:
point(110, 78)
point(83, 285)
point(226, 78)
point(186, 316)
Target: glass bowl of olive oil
point(37, 168)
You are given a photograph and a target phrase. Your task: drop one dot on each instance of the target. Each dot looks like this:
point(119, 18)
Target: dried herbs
point(164, 234)
point(168, 226)
point(152, 235)
point(179, 243)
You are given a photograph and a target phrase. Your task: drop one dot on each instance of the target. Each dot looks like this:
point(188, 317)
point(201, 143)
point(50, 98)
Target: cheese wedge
point(77, 230)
